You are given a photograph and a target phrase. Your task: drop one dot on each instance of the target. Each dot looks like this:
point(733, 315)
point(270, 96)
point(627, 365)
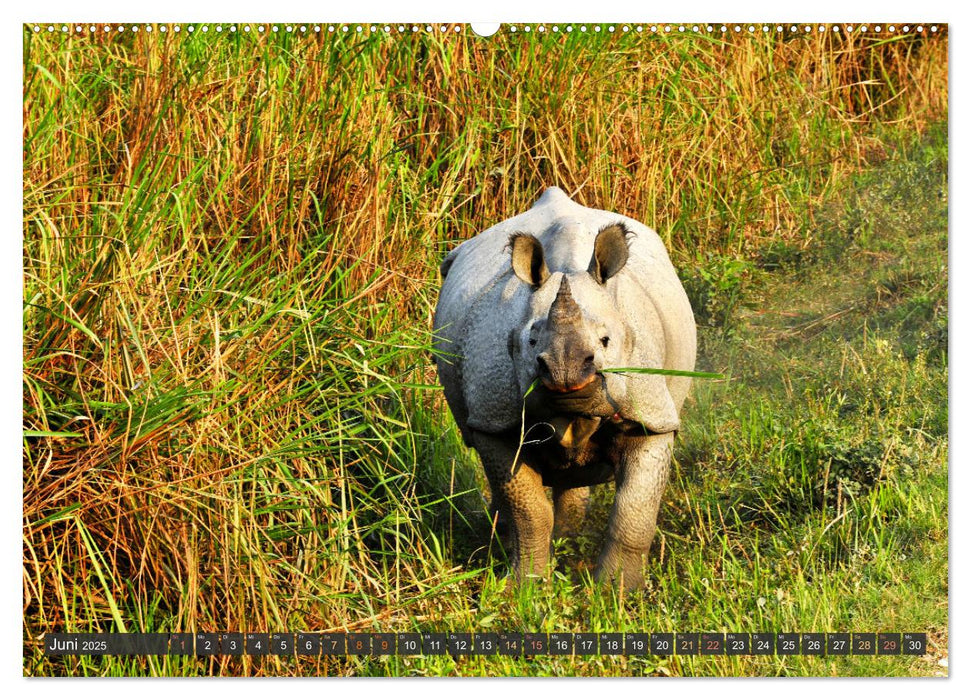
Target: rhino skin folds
point(548, 299)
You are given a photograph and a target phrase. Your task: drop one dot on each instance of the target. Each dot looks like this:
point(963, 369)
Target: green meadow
point(231, 414)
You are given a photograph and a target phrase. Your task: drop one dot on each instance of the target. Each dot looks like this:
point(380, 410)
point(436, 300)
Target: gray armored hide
point(530, 313)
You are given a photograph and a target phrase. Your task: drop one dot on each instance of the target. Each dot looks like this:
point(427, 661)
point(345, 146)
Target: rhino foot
point(625, 568)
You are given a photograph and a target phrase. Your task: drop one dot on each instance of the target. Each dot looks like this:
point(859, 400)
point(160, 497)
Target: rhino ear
point(527, 259)
point(610, 252)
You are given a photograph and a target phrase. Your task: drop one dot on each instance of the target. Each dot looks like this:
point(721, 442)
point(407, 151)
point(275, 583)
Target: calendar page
point(449, 349)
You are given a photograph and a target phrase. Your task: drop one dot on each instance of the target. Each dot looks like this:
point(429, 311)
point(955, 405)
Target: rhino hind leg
point(641, 477)
point(569, 510)
point(499, 522)
point(519, 502)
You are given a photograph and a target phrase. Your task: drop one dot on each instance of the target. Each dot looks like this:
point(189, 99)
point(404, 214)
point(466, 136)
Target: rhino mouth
point(590, 398)
point(569, 389)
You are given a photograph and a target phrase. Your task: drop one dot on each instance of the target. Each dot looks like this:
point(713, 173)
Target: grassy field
point(231, 417)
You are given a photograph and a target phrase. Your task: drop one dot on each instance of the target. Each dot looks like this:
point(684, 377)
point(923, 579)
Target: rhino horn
point(565, 310)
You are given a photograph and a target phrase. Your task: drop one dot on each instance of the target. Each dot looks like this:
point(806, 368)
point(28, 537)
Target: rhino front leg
point(641, 477)
point(520, 499)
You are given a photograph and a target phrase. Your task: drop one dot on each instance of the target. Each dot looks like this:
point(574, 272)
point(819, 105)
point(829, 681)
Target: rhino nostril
point(543, 367)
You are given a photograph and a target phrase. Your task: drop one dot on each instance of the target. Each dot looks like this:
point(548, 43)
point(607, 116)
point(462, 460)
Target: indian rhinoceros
point(530, 313)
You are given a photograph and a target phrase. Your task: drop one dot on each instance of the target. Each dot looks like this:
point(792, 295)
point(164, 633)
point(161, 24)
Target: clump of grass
point(715, 288)
point(230, 253)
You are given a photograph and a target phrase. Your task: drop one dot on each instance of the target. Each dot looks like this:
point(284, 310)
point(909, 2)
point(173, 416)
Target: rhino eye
point(532, 342)
point(605, 341)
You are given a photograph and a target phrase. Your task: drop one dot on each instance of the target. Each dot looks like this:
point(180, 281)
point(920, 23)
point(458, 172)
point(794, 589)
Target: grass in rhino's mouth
point(637, 370)
point(669, 372)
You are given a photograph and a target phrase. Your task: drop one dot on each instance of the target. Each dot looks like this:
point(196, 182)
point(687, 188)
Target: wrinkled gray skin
point(553, 296)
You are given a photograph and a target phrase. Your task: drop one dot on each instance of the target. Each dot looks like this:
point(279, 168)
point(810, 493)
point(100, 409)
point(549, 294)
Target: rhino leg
point(520, 499)
point(642, 475)
point(569, 509)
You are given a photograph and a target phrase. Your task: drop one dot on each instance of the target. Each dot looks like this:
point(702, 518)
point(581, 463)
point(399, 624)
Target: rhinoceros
point(531, 312)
